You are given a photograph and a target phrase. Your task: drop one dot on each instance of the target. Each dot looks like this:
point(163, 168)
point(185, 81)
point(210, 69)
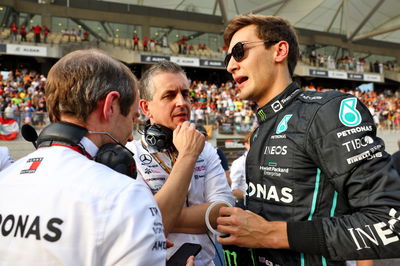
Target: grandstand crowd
point(22, 99)
point(186, 46)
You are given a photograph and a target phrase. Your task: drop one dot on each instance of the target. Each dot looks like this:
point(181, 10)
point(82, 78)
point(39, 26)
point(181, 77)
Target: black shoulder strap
point(61, 133)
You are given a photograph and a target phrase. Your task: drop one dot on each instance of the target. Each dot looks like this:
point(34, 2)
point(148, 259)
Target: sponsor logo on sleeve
point(349, 132)
point(356, 144)
point(348, 114)
point(378, 234)
point(32, 164)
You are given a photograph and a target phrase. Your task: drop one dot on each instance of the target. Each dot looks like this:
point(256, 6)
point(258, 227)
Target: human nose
point(181, 100)
point(232, 65)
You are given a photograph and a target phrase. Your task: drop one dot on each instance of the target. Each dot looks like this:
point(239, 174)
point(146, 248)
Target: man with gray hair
point(165, 100)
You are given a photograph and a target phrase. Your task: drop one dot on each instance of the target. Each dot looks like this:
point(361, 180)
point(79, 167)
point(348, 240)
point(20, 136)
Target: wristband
point(207, 215)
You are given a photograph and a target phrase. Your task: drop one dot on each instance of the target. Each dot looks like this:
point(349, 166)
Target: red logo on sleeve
point(31, 165)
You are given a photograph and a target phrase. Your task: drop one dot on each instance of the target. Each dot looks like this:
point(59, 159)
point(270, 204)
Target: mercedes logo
point(145, 158)
point(151, 140)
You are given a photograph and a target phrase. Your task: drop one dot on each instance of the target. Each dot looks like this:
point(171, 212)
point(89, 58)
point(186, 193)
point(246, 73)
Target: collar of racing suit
point(278, 103)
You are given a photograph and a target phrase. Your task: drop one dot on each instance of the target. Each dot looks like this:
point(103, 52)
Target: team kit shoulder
point(318, 97)
point(344, 145)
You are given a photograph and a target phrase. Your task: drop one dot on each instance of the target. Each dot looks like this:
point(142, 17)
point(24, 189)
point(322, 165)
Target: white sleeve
point(216, 185)
point(238, 175)
point(5, 158)
point(134, 233)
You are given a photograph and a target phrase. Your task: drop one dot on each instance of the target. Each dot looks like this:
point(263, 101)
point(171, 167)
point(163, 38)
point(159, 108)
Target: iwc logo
point(348, 114)
point(282, 126)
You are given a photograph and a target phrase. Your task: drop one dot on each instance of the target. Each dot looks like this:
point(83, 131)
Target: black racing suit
point(316, 162)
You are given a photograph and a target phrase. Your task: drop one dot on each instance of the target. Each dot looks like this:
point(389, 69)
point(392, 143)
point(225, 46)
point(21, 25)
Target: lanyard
point(172, 156)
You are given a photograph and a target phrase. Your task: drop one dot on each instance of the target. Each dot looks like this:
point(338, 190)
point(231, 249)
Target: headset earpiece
point(158, 136)
point(118, 158)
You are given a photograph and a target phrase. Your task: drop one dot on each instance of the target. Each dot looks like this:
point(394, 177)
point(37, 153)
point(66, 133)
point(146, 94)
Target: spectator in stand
point(85, 35)
point(13, 31)
point(46, 32)
point(135, 42)
point(22, 32)
point(145, 43)
point(37, 30)
point(152, 44)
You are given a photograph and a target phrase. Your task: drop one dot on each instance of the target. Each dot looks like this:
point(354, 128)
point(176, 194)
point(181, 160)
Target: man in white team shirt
point(165, 100)
point(238, 172)
point(60, 207)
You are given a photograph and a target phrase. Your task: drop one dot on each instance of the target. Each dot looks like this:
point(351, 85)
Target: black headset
point(114, 155)
point(158, 136)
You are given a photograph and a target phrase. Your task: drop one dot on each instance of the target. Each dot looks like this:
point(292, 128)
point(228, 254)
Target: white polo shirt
point(57, 207)
point(208, 184)
point(238, 173)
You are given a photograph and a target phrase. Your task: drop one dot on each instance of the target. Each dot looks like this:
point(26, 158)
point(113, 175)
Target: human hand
point(247, 229)
point(187, 140)
point(190, 261)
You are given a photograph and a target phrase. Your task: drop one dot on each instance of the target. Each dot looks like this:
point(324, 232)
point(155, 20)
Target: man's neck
point(277, 88)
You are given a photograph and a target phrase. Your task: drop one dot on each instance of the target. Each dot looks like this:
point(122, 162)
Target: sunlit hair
point(82, 79)
point(269, 28)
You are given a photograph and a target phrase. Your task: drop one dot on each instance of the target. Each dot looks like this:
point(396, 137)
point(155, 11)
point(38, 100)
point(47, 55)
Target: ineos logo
point(145, 159)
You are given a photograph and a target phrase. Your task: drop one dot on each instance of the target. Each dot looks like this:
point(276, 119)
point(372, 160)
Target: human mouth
point(241, 79)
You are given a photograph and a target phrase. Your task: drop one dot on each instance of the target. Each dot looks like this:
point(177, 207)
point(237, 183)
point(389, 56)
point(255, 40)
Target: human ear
point(111, 103)
point(282, 51)
point(144, 106)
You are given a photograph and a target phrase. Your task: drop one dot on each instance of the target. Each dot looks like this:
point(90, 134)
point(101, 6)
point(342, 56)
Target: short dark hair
point(79, 80)
point(270, 28)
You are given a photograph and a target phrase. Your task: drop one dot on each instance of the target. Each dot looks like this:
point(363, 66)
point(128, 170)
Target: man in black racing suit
point(321, 188)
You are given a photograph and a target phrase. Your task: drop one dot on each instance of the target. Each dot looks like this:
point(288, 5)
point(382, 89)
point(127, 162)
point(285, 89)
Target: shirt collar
point(278, 103)
point(89, 146)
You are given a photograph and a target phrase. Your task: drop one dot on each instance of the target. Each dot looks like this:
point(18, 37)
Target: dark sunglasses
point(238, 51)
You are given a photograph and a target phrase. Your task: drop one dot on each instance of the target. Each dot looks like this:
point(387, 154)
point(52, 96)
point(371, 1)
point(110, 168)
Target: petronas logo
point(282, 126)
point(262, 115)
point(348, 114)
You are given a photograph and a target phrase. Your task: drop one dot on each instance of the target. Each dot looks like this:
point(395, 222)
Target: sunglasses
point(238, 51)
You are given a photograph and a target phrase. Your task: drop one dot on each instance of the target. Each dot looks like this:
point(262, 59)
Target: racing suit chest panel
point(280, 172)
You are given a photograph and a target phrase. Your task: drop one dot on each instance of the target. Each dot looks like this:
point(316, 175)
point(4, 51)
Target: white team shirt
point(208, 184)
point(57, 207)
point(238, 173)
point(5, 158)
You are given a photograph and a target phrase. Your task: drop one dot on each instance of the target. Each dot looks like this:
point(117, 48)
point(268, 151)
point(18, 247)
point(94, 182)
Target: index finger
point(226, 211)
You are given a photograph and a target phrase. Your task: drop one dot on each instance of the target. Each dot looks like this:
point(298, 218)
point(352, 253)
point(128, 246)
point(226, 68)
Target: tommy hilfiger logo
point(31, 165)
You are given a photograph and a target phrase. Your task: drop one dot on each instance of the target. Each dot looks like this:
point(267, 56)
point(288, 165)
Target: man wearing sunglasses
point(321, 188)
